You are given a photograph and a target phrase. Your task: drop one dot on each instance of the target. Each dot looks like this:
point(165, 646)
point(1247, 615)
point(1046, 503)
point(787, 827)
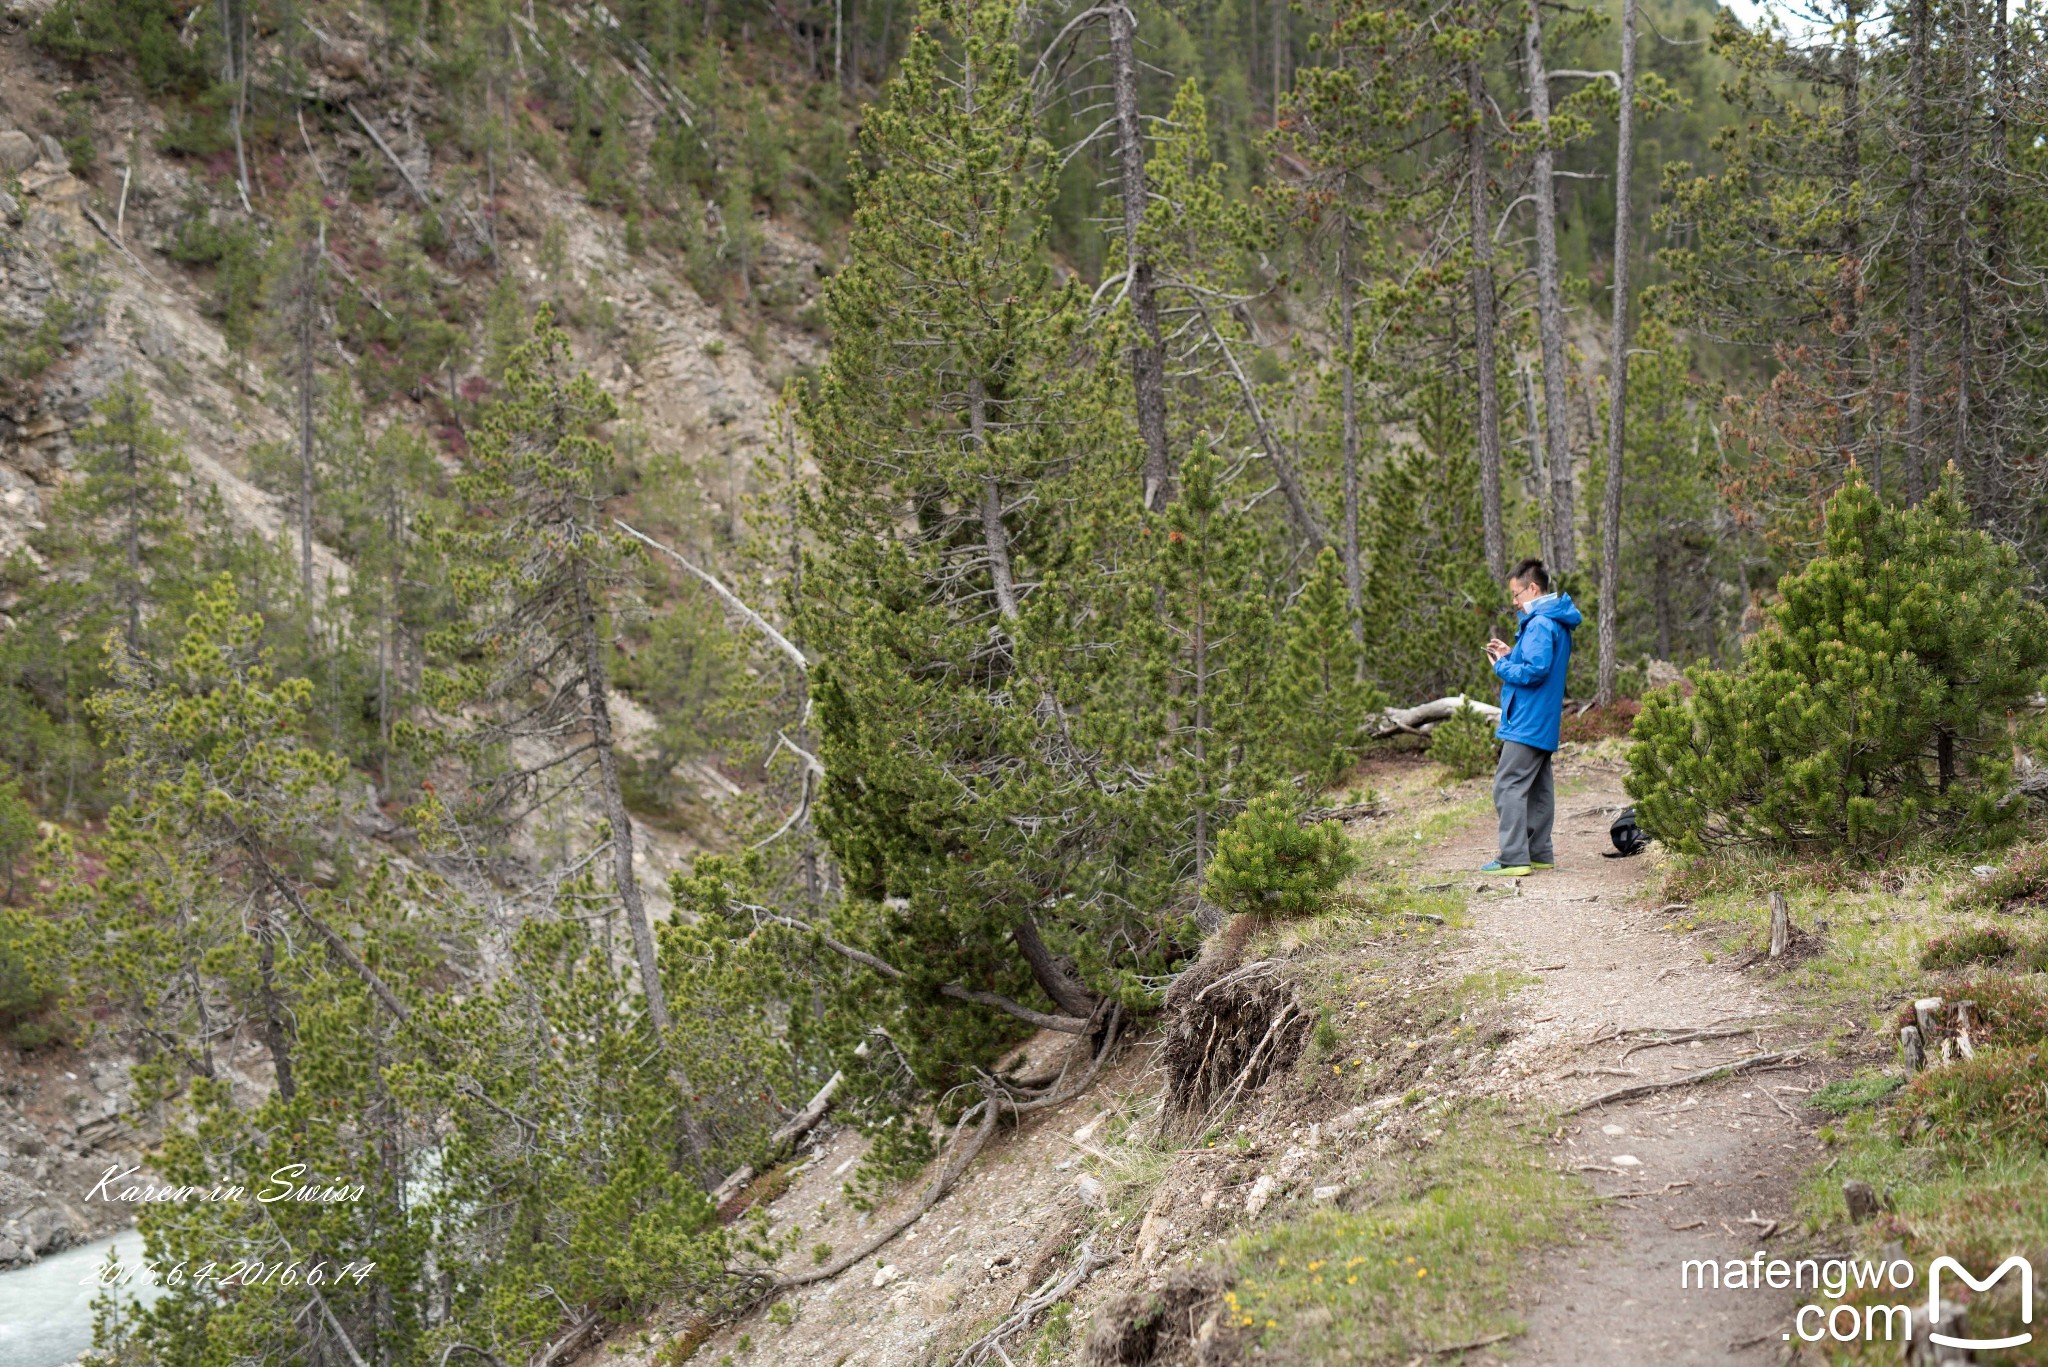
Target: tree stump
point(1781, 926)
point(1915, 1050)
point(1966, 1016)
point(1927, 1015)
point(1861, 1199)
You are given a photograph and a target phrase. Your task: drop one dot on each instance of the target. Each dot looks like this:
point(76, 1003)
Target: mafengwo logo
point(2026, 1271)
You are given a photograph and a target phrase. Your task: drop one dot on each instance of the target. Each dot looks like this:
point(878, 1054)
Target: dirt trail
point(1688, 1168)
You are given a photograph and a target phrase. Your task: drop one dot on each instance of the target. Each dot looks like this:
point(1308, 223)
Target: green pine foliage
point(117, 554)
point(31, 977)
point(1464, 743)
point(1680, 549)
point(507, 1142)
point(1429, 600)
point(949, 594)
point(1206, 688)
point(1320, 700)
point(1870, 710)
point(1269, 863)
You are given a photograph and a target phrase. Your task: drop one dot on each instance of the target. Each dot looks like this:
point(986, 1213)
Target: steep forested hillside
point(586, 584)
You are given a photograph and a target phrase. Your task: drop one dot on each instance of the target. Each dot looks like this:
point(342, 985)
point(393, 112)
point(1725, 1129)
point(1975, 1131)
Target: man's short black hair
point(1531, 571)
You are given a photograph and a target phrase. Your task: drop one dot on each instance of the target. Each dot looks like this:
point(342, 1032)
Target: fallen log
point(785, 1138)
point(1422, 718)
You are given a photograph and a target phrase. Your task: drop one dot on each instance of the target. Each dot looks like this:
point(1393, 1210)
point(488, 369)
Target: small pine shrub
point(1870, 710)
point(1268, 863)
point(30, 978)
point(1464, 743)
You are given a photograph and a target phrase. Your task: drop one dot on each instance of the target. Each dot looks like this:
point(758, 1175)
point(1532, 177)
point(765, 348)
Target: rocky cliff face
point(63, 1124)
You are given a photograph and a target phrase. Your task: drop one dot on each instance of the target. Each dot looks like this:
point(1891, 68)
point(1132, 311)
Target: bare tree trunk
point(239, 55)
point(1849, 273)
point(308, 324)
point(1279, 54)
point(1148, 353)
point(132, 533)
point(1199, 659)
point(387, 628)
point(1354, 580)
point(1067, 994)
point(597, 707)
point(1546, 525)
point(1617, 364)
point(1916, 257)
point(1660, 590)
point(1988, 468)
point(275, 1037)
point(995, 536)
point(1968, 101)
point(1483, 326)
point(1550, 307)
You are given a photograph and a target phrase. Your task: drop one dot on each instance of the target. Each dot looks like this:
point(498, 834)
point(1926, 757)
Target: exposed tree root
point(1741, 1065)
point(989, 1347)
point(1226, 1033)
point(1166, 1328)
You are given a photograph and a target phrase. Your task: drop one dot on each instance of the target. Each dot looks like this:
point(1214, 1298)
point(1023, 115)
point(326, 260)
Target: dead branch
point(988, 1347)
point(1690, 1036)
point(1422, 718)
point(1741, 1065)
point(726, 595)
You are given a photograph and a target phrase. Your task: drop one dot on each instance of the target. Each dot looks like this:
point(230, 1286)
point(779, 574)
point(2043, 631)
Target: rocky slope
point(89, 292)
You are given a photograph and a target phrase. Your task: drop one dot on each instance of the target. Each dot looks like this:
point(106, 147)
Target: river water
point(46, 1307)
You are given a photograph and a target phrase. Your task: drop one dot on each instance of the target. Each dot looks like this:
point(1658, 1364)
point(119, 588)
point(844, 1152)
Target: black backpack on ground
point(1628, 837)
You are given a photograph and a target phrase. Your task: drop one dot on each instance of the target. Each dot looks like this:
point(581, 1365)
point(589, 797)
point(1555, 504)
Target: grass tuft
point(1433, 1262)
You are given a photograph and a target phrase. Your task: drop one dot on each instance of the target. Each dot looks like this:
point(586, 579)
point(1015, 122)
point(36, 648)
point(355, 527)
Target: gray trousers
point(1527, 803)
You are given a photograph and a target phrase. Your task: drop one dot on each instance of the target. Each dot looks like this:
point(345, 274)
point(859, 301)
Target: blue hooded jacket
point(1532, 674)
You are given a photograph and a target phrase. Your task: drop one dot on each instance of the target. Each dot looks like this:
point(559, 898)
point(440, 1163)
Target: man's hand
point(1496, 648)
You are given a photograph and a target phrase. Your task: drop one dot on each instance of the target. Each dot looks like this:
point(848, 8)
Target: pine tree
point(1428, 596)
point(1871, 708)
point(210, 850)
point(1680, 549)
point(1320, 701)
point(1207, 688)
point(979, 559)
point(499, 1132)
point(133, 472)
point(533, 566)
point(117, 556)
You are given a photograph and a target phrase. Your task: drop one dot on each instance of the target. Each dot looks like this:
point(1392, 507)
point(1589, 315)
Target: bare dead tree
point(1617, 365)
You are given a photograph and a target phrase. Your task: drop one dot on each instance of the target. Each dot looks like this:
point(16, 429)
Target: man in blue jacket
point(1531, 712)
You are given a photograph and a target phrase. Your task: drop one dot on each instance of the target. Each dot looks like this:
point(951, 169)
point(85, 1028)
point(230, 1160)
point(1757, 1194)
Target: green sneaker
point(1500, 870)
point(1539, 864)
